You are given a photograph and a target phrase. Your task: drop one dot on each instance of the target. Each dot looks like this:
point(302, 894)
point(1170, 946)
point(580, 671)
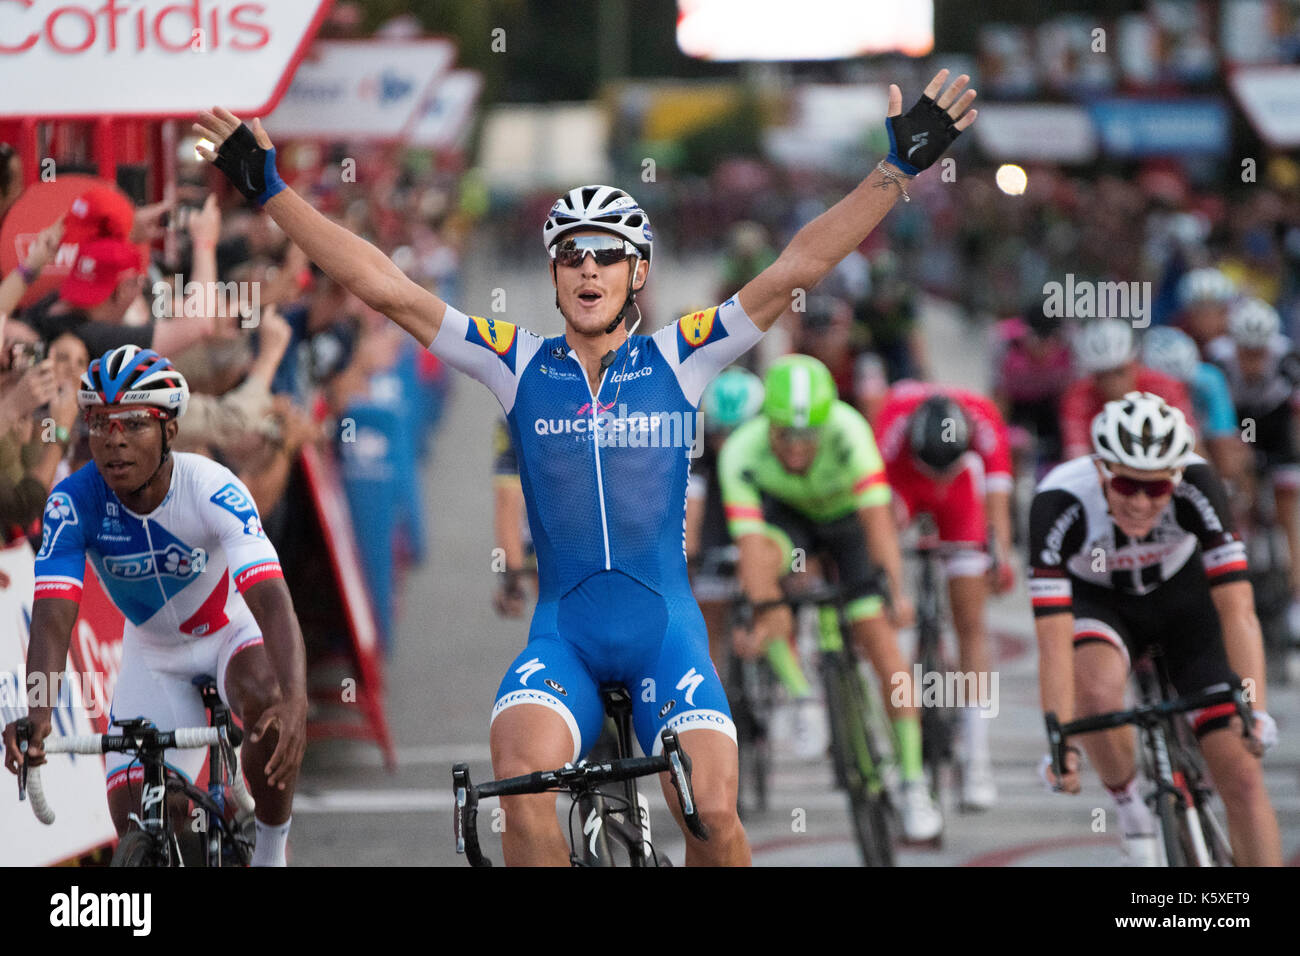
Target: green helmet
point(732, 398)
point(799, 392)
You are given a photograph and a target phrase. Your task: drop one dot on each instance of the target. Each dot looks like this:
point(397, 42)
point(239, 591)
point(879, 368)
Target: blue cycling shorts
point(612, 628)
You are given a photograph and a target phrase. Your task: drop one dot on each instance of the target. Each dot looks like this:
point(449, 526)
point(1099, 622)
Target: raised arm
point(248, 160)
point(922, 135)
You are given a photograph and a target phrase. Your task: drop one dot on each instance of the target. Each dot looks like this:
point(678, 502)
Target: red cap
point(100, 265)
point(98, 213)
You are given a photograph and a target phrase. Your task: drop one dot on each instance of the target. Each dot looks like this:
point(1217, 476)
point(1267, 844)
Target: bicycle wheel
point(856, 759)
point(136, 848)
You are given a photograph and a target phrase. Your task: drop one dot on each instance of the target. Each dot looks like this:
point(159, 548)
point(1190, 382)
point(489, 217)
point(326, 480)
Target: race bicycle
point(614, 825)
point(861, 736)
point(1182, 798)
point(225, 830)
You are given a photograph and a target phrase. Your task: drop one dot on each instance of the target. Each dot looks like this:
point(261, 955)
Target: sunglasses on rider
point(132, 421)
point(1128, 487)
point(606, 250)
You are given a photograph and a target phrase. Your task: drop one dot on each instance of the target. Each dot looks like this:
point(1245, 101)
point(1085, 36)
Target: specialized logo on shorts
point(556, 687)
point(696, 329)
point(663, 711)
point(234, 500)
point(59, 513)
point(491, 334)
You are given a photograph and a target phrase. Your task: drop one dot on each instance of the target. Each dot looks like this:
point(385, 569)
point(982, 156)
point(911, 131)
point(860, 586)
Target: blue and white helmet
point(130, 375)
point(1171, 351)
point(607, 208)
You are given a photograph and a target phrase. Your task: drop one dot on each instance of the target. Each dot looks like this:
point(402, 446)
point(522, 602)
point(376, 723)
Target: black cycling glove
point(248, 166)
point(918, 137)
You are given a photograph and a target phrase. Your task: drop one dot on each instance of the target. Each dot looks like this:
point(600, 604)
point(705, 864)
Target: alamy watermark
point(922, 688)
point(1084, 299)
point(181, 299)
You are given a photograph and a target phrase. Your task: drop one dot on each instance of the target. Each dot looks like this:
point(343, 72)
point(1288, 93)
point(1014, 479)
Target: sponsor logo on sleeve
point(491, 334)
point(239, 504)
point(59, 513)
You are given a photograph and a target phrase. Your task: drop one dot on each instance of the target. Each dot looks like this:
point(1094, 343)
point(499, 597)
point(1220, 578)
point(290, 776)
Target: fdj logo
point(232, 499)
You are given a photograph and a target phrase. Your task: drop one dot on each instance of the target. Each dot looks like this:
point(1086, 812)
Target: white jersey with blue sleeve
point(169, 572)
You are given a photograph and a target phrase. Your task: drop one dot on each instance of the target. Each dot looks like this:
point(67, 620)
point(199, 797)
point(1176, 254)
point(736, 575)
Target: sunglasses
point(1128, 487)
point(606, 250)
point(132, 421)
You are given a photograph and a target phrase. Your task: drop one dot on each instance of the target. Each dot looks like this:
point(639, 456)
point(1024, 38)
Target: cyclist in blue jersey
point(1174, 352)
point(168, 533)
point(603, 422)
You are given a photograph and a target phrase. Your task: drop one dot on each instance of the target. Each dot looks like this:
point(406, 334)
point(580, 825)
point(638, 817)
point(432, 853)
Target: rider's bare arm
point(1242, 638)
point(821, 244)
point(47, 656)
point(348, 259)
point(1056, 664)
point(359, 267)
point(882, 543)
point(272, 608)
point(998, 506)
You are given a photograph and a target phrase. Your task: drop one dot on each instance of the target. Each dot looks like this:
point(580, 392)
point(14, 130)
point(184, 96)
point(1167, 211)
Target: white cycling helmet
point(1253, 323)
point(1171, 351)
point(130, 375)
point(600, 207)
point(1205, 285)
point(1103, 345)
point(1142, 431)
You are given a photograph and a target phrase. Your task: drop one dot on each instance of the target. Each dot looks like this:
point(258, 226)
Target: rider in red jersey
point(947, 454)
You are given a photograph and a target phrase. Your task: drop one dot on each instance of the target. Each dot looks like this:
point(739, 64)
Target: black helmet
point(938, 432)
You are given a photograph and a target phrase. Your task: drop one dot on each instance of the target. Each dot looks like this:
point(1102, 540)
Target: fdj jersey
point(168, 572)
point(604, 476)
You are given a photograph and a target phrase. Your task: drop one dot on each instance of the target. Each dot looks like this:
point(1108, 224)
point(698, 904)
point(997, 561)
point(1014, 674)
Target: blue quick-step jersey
point(604, 475)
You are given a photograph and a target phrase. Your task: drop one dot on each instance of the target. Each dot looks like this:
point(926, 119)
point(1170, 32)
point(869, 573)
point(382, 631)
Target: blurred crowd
point(274, 351)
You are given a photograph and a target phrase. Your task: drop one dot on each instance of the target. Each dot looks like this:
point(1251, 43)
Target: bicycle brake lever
point(22, 733)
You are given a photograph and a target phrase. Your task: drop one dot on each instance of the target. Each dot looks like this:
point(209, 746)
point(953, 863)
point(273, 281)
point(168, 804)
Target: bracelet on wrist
point(894, 177)
point(29, 274)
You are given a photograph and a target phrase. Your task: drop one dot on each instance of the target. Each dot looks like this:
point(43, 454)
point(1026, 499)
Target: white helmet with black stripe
point(1142, 431)
point(607, 208)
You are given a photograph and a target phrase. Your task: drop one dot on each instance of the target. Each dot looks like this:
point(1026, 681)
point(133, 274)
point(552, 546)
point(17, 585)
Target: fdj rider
point(1134, 546)
point(168, 534)
point(805, 477)
point(592, 416)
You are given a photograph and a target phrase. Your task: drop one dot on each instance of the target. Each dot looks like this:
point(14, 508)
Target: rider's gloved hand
point(1265, 729)
point(245, 155)
point(919, 137)
point(40, 722)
